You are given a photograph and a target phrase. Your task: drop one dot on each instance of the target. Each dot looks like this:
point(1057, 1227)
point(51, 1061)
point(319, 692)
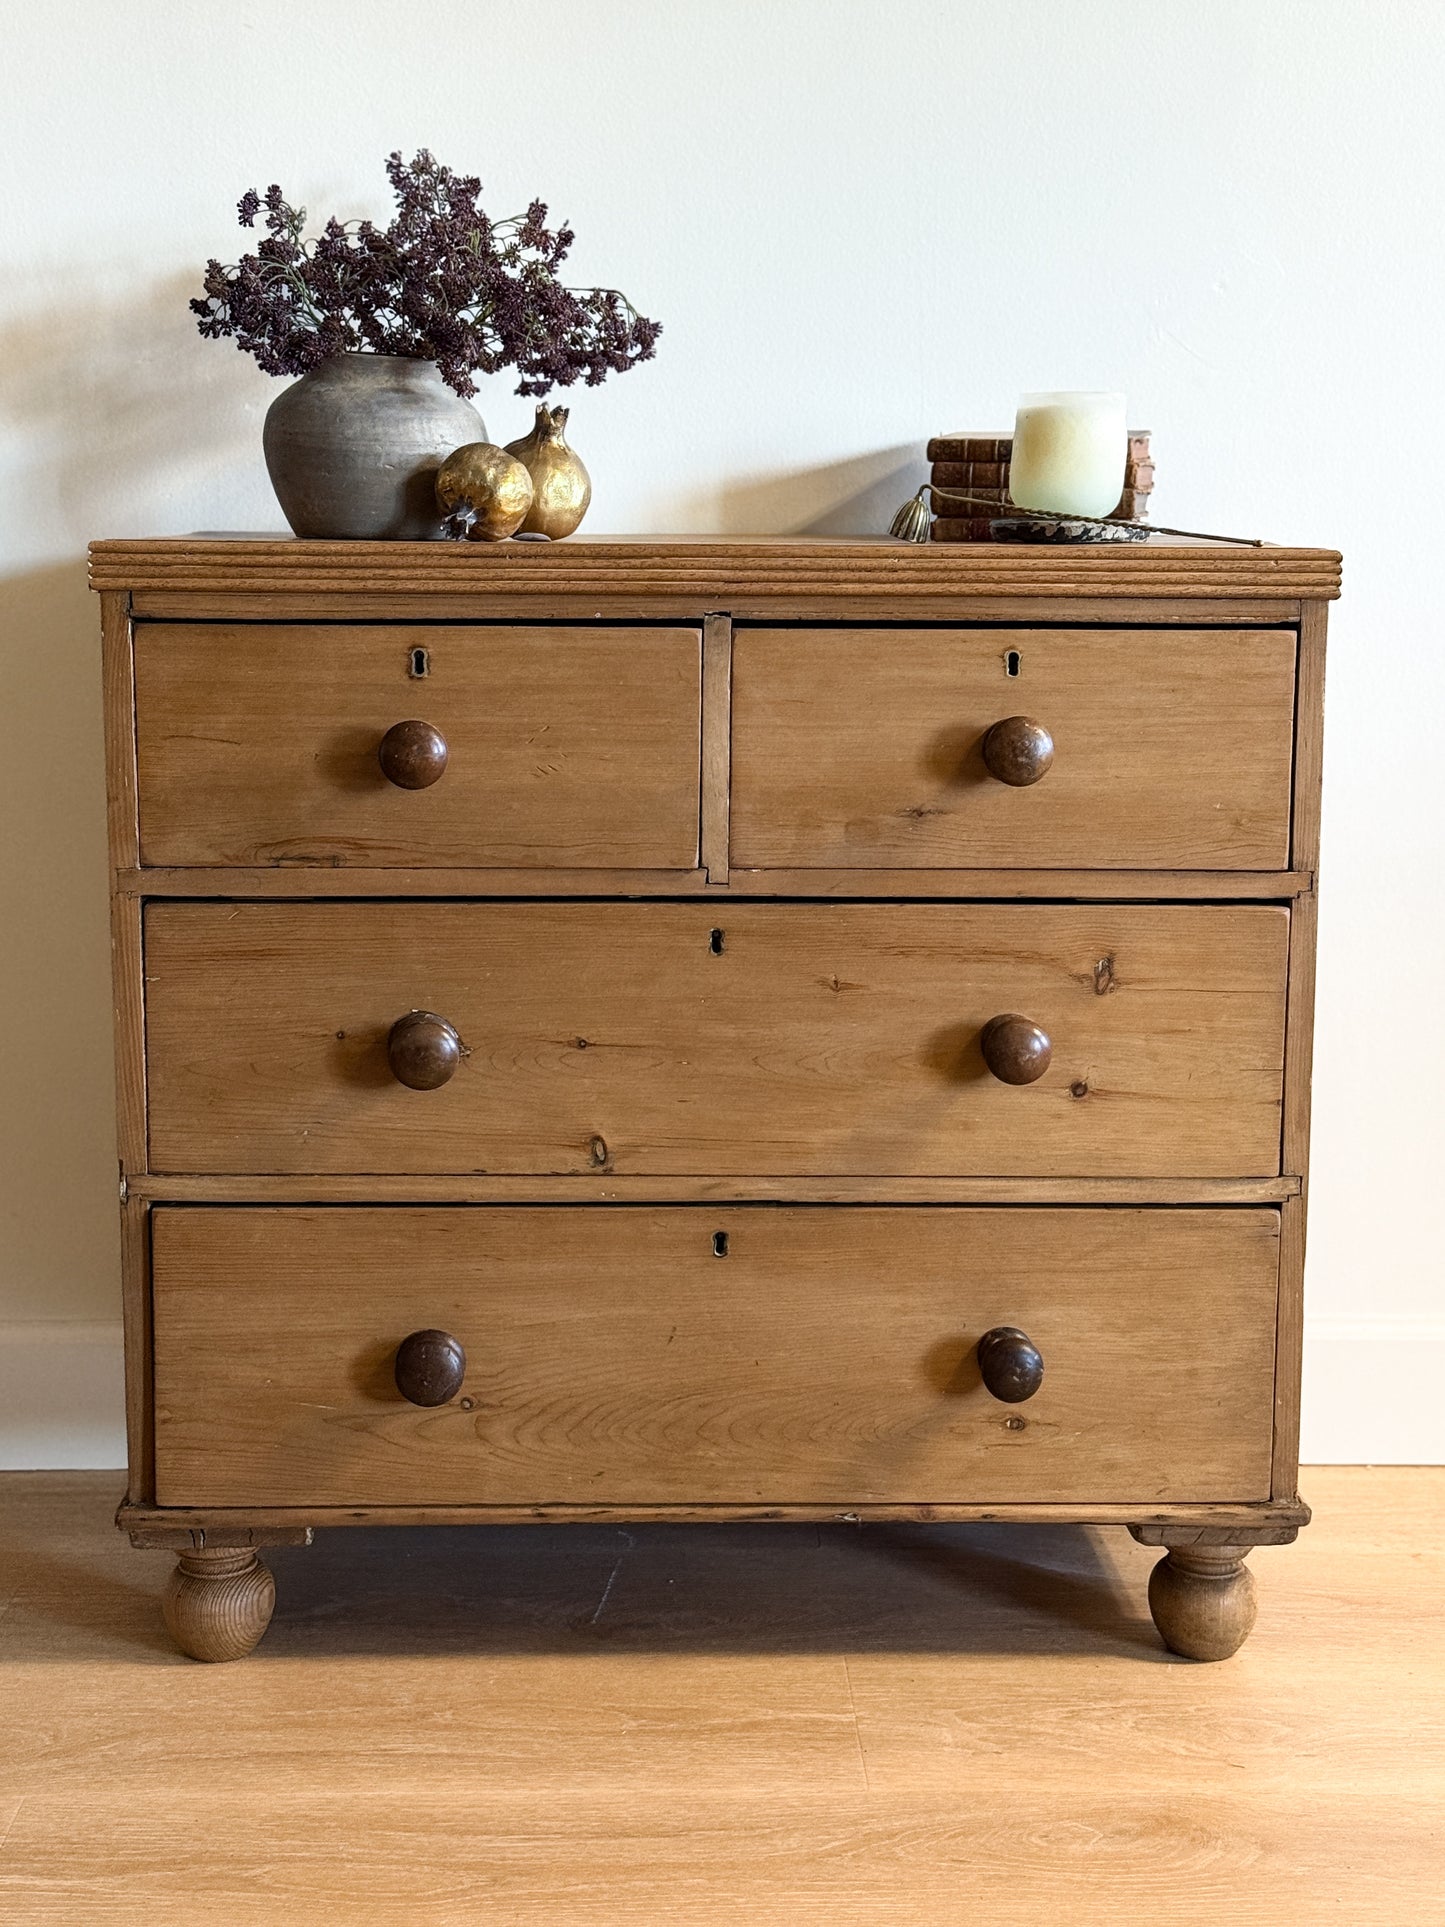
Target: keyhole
point(420, 663)
point(719, 1244)
point(1011, 662)
point(715, 942)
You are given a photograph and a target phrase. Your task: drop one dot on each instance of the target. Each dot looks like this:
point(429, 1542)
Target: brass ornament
point(561, 486)
point(913, 520)
point(484, 492)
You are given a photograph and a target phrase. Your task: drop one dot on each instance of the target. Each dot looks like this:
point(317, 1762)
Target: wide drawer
point(570, 747)
point(862, 748)
point(614, 1357)
point(716, 1039)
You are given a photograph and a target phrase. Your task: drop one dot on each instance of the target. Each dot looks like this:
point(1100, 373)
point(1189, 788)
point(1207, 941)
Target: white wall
point(862, 221)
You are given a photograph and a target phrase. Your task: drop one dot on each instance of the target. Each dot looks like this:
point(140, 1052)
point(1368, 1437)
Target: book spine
point(991, 478)
point(998, 448)
point(970, 448)
point(952, 528)
point(970, 474)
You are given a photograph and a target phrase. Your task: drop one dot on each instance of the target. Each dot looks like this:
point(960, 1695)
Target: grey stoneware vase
point(354, 446)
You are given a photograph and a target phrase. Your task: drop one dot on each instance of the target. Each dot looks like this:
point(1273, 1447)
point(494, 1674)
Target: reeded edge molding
point(709, 572)
point(682, 1192)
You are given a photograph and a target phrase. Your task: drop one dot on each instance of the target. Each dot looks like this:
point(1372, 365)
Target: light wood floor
point(589, 1726)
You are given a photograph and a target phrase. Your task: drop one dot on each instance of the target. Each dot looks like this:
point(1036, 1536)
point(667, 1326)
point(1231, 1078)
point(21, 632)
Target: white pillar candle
point(1069, 454)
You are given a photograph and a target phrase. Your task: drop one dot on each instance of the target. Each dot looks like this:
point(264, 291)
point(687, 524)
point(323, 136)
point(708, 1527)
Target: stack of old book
point(977, 465)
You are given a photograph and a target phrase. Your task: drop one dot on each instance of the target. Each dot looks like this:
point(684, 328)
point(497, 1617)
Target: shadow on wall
point(859, 496)
point(57, 1199)
point(118, 406)
point(114, 424)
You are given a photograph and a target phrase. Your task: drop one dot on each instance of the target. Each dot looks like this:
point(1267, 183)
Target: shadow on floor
point(663, 1588)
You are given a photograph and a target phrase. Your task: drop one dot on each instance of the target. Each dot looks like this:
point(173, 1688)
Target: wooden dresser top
point(713, 570)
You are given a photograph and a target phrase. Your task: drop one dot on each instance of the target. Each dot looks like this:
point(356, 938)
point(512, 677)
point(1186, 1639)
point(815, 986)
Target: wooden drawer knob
point(1018, 751)
point(430, 1367)
point(423, 1050)
point(1015, 1050)
point(412, 755)
point(1009, 1364)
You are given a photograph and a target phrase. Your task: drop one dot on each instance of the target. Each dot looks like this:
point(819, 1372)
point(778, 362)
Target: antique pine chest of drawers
point(712, 1030)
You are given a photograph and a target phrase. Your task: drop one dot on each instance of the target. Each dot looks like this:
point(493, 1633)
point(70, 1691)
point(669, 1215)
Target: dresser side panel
point(1299, 1045)
point(127, 1000)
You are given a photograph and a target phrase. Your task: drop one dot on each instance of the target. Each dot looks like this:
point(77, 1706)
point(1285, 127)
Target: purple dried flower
point(442, 283)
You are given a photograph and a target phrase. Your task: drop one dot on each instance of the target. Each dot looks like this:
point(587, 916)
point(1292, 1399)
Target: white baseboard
point(1374, 1394)
point(62, 1396)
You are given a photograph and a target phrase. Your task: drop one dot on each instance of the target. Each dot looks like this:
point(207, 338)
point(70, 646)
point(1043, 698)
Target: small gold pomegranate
point(561, 486)
point(484, 492)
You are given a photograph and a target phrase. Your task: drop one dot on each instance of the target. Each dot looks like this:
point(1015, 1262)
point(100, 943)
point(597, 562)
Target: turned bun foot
point(218, 1603)
point(1202, 1599)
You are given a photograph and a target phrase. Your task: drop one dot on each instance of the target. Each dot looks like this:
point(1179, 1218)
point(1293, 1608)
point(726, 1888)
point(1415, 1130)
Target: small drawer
point(865, 748)
point(716, 1038)
point(534, 747)
point(687, 1356)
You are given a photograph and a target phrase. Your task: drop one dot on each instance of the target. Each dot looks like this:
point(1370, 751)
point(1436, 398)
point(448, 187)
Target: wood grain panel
point(118, 700)
point(1289, 1346)
point(571, 747)
point(616, 605)
point(128, 1031)
point(135, 1289)
point(1309, 745)
point(717, 658)
point(673, 1038)
point(298, 880)
point(1237, 1522)
point(1172, 749)
point(612, 1356)
point(610, 1187)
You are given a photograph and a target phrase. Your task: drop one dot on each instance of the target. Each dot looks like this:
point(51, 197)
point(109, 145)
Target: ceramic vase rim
point(372, 354)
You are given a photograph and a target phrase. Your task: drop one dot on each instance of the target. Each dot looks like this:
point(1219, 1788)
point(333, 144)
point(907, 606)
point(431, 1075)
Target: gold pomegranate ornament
point(484, 492)
point(561, 486)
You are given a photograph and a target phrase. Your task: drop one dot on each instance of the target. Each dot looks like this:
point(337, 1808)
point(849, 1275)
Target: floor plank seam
point(10, 1825)
point(612, 1578)
point(857, 1729)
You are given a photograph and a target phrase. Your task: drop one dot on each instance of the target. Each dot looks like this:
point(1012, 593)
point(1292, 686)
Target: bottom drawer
point(697, 1355)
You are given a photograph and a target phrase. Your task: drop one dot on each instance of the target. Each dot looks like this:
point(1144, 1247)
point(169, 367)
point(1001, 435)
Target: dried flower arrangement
point(443, 282)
